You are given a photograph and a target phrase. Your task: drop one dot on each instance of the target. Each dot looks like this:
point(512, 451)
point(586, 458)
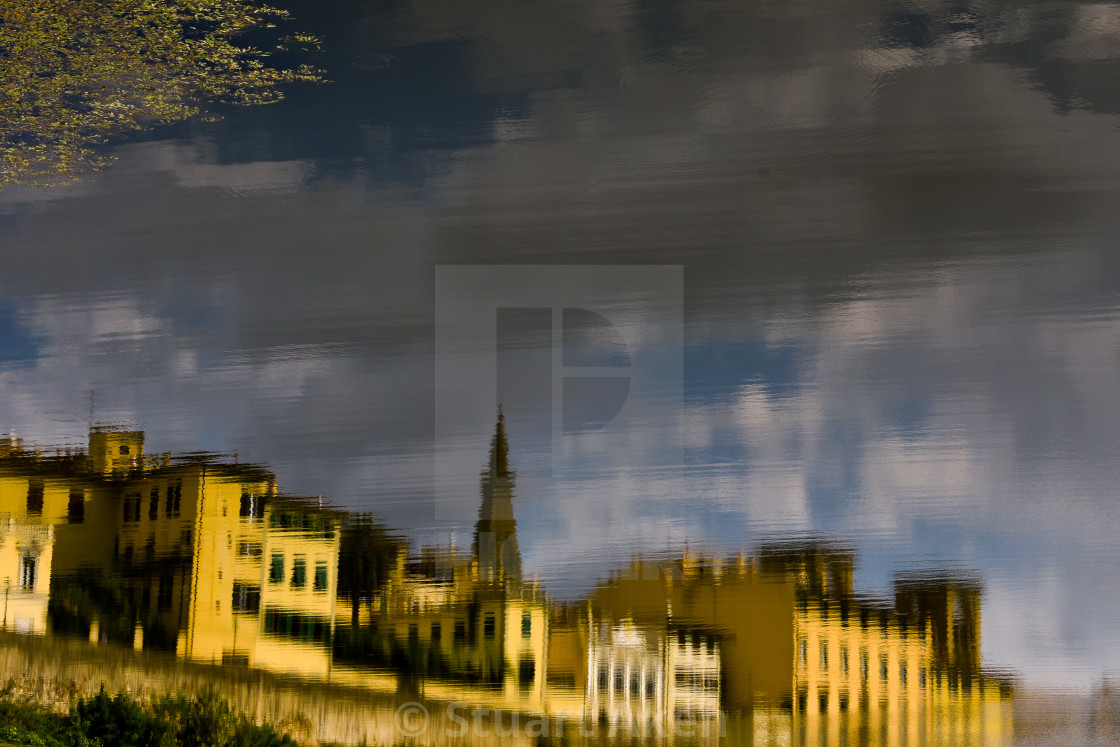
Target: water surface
point(896, 237)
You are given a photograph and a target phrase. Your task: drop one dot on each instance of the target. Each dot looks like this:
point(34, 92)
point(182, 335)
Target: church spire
point(495, 539)
point(499, 448)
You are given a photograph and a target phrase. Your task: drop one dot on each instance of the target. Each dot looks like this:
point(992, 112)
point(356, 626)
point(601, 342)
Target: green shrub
point(15, 735)
point(121, 722)
point(26, 722)
point(200, 721)
point(206, 720)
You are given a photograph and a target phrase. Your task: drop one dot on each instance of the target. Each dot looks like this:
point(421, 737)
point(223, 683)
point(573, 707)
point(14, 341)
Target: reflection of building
point(794, 639)
point(907, 673)
point(201, 558)
point(638, 676)
point(44, 506)
point(25, 561)
point(468, 624)
point(205, 559)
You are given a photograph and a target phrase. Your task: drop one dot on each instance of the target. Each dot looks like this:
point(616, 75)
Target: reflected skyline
point(900, 304)
point(206, 559)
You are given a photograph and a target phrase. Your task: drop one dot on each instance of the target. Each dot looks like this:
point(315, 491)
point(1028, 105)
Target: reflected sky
point(897, 235)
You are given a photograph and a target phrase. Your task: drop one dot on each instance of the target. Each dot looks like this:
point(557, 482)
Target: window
point(76, 507)
point(436, 632)
point(299, 572)
point(28, 568)
point(276, 572)
point(802, 652)
point(246, 597)
point(824, 656)
point(526, 625)
point(153, 504)
point(234, 659)
point(322, 578)
point(252, 507)
point(296, 626)
point(123, 450)
point(460, 631)
point(172, 500)
point(249, 549)
point(844, 660)
point(35, 497)
point(131, 508)
point(488, 626)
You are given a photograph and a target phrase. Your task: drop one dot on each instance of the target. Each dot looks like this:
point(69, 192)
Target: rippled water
point(764, 290)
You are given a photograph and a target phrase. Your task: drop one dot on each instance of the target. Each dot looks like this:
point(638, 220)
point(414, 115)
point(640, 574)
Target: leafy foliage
point(120, 721)
point(74, 73)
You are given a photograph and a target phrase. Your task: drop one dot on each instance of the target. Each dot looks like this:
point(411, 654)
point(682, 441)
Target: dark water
point(771, 294)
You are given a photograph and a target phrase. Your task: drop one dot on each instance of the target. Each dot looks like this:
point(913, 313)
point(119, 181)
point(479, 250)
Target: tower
point(115, 452)
point(496, 551)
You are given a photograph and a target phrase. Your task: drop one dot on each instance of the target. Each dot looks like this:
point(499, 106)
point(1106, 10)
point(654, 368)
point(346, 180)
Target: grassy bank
point(103, 720)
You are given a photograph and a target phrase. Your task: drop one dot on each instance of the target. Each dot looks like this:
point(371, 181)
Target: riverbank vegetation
point(103, 720)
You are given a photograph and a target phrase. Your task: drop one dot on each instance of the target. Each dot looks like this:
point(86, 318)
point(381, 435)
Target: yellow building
point(235, 573)
point(200, 558)
point(901, 672)
point(50, 511)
